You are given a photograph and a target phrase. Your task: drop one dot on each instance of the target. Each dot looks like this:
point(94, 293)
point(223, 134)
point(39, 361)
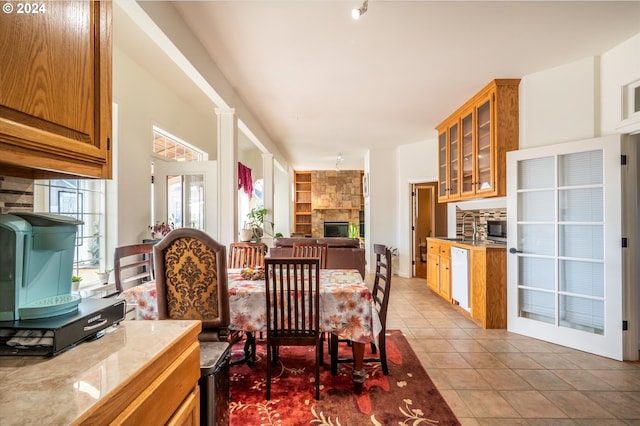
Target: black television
point(336, 229)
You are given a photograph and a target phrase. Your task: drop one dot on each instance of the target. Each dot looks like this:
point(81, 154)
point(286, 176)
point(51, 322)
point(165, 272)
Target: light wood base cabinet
point(439, 268)
point(164, 399)
point(165, 391)
point(487, 278)
point(488, 275)
point(137, 373)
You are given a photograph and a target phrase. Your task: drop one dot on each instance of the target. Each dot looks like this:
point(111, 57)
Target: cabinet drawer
point(188, 414)
point(157, 404)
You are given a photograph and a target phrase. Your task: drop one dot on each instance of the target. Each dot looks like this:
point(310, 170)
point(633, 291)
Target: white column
point(227, 175)
point(267, 176)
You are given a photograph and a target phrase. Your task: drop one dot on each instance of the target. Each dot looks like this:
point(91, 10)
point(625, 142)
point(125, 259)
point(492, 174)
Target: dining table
point(347, 309)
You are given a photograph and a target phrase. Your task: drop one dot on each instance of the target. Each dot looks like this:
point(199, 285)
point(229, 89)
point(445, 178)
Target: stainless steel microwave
point(497, 230)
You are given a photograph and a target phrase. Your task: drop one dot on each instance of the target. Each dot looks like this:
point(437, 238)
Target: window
point(173, 148)
point(83, 199)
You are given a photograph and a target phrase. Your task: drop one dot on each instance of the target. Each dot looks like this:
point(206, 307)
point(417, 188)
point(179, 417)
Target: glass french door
point(185, 193)
point(564, 241)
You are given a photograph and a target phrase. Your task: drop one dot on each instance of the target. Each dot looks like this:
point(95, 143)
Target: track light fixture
point(357, 13)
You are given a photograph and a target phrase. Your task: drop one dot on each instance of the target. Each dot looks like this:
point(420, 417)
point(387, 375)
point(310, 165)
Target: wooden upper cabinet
point(475, 140)
point(55, 90)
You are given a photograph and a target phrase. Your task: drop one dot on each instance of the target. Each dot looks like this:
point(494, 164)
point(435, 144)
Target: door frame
point(439, 216)
point(414, 216)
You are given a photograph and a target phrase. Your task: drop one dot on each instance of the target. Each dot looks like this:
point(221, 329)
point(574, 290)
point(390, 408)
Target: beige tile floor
point(493, 377)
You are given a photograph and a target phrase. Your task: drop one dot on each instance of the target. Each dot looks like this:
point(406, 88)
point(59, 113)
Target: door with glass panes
point(564, 241)
point(185, 193)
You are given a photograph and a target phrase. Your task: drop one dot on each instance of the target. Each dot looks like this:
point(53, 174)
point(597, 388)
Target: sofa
point(342, 253)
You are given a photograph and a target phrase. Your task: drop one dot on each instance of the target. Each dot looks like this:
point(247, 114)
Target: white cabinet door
point(564, 239)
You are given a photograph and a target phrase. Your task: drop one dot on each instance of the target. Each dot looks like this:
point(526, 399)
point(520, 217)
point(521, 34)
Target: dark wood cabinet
point(55, 90)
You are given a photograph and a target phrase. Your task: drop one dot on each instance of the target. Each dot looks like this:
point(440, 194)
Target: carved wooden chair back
point(191, 281)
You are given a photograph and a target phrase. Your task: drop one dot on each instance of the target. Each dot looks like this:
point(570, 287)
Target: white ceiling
point(321, 83)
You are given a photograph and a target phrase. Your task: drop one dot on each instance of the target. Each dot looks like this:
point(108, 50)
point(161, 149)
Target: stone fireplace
point(336, 196)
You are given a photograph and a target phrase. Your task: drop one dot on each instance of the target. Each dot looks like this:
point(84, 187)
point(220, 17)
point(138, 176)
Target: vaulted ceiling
point(321, 83)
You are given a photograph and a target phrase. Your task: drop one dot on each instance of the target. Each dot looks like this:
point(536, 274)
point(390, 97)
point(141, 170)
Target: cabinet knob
point(513, 250)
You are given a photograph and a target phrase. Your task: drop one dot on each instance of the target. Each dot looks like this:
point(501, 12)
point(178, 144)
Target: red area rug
point(407, 396)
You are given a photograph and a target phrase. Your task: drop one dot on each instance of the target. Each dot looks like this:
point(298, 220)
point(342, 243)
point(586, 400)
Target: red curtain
point(245, 182)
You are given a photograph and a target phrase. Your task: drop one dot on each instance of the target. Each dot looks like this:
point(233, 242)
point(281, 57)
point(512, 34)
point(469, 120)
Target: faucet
point(475, 229)
point(464, 216)
point(474, 234)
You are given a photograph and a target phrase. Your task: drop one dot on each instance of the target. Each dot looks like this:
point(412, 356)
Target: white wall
point(559, 104)
point(620, 66)
point(142, 102)
point(381, 210)
point(416, 163)
point(281, 201)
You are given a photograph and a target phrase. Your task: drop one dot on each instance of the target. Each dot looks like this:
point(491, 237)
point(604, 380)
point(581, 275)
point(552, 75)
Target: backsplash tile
point(481, 217)
point(16, 194)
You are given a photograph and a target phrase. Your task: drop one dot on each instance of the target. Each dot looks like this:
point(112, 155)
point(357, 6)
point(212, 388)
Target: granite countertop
point(473, 243)
point(58, 390)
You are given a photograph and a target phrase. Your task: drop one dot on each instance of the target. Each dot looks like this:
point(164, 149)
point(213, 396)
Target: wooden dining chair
point(293, 309)
point(246, 255)
point(132, 265)
point(191, 281)
point(380, 292)
point(311, 249)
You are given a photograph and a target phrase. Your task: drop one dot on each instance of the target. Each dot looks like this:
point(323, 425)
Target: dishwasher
point(460, 277)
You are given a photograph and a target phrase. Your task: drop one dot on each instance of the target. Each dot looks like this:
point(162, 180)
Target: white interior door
point(564, 241)
point(185, 193)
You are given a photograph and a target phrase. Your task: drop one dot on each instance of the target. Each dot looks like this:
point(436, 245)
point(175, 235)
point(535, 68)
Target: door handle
point(513, 250)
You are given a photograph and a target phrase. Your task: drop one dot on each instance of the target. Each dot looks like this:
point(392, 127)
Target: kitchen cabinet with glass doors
point(474, 140)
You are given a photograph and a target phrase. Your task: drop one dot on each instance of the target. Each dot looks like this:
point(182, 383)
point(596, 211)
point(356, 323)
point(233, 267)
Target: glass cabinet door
point(442, 165)
point(454, 163)
point(467, 154)
point(484, 172)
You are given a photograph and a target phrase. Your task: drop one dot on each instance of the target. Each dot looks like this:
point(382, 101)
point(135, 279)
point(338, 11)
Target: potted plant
point(253, 229)
point(354, 231)
point(75, 283)
point(253, 226)
point(159, 230)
